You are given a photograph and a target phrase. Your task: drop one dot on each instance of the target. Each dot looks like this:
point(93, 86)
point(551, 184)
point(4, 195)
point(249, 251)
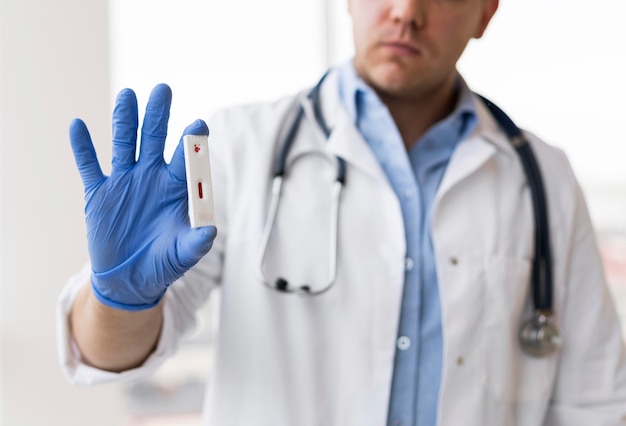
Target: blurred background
point(556, 66)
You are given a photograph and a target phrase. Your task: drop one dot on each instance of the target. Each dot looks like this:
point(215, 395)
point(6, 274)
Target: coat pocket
point(511, 375)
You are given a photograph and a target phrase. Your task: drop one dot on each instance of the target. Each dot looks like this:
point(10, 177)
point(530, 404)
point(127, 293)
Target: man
point(418, 323)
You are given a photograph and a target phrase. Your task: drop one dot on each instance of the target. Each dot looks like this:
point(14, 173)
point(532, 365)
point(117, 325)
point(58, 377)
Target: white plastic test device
point(199, 187)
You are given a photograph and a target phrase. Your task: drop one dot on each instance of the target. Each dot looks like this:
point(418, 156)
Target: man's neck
point(414, 116)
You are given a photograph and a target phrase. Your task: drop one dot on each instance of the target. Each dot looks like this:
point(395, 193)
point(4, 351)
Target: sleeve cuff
point(79, 373)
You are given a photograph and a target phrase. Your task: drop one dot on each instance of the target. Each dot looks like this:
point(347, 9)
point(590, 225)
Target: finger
point(125, 123)
point(84, 153)
point(193, 244)
point(154, 129)
point(177, 165)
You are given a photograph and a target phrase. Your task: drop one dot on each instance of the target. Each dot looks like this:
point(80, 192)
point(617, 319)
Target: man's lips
point(402, 48)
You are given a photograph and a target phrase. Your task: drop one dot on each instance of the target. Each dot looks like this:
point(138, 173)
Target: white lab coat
point(288, 360)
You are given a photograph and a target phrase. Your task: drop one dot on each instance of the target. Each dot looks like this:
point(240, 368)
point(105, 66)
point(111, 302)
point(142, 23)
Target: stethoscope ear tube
point(282, 284)
point(538, 336)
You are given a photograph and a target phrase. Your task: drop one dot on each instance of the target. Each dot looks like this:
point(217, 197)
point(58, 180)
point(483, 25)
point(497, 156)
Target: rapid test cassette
point(199, 187)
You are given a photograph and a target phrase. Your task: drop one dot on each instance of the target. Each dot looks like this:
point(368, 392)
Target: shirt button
point(408, 264)
point(408, 193)
point(403, 343)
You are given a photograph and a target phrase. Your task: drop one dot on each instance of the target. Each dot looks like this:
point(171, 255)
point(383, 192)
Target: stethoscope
point(538, 336)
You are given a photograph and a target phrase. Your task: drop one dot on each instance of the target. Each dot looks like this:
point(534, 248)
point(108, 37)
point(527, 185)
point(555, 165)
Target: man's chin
point(395, 81)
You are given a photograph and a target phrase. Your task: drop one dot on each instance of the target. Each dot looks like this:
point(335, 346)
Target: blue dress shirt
point(415, 177)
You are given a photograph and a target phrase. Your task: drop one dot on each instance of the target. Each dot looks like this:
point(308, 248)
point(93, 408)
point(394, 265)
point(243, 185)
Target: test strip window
point(199, 185)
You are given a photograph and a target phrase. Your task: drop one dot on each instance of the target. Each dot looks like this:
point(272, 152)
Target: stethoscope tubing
point(281, 283)
point(542, 259)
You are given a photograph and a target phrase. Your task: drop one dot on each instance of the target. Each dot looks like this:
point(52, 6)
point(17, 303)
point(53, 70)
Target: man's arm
point(112, 339)
point(590, 385)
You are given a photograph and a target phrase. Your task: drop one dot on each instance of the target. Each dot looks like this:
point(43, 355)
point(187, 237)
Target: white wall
point(54, 61)
point(215, 53)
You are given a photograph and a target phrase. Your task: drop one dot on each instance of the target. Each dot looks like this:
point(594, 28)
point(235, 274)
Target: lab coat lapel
point(475, 151)
point(347, 143)
point(467, 158)
point(345, 140)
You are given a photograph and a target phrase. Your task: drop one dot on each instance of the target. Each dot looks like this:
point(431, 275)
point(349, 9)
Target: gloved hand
point(138, 231)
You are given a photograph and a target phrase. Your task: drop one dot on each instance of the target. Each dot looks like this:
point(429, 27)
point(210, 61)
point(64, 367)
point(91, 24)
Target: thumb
point(193, 244)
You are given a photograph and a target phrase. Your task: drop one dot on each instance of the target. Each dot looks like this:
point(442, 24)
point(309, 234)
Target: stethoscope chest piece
point(538, 336)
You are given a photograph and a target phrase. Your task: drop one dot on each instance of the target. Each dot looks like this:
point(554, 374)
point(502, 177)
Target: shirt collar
point(357, 95)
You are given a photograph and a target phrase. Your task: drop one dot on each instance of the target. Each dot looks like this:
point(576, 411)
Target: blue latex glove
point(138, 231)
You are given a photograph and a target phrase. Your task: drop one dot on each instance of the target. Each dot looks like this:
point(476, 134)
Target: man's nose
point(409, 12)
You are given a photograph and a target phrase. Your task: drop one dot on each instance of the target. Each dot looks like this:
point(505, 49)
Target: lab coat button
point(408, 264)
point(404, 343)
point(454, 261)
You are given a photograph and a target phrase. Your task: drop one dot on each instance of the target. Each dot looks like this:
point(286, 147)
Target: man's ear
point(489, 9)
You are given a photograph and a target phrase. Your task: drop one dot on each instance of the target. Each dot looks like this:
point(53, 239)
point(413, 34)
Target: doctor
point(434, 245)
